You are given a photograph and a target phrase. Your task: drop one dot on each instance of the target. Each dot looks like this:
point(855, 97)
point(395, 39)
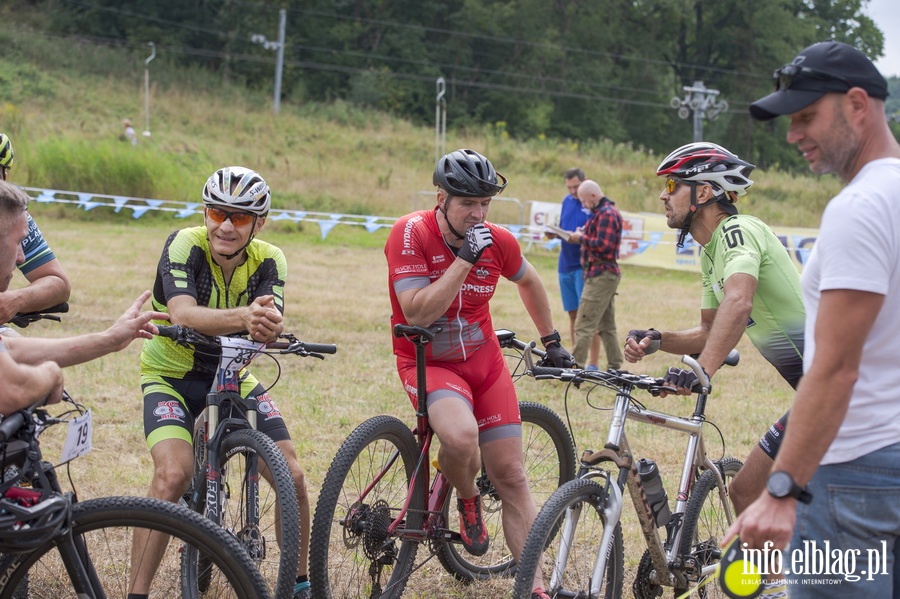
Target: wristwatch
point(781, 484)
point(551, 338)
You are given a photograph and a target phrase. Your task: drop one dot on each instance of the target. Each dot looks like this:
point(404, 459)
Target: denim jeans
point(849, 530)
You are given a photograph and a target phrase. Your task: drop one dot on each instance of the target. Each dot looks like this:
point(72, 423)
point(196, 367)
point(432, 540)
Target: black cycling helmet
point(27, 522)
point(468, 174)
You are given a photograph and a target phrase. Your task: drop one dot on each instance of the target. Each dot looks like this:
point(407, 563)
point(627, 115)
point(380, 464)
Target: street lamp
point(702, 102)
point(258, 38)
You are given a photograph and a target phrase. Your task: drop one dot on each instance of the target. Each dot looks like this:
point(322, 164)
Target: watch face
point(780, 484)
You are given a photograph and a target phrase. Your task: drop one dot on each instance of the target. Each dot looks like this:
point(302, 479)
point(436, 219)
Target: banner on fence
point(646, 239)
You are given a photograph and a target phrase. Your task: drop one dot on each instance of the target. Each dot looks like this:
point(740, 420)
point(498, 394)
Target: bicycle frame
point(665, 556)
point(237, 353)
point(440, 487)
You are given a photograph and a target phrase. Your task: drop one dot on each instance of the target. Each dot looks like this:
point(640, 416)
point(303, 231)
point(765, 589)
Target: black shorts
point(172, 405)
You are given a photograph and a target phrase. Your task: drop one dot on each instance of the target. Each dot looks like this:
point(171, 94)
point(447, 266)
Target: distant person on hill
point(749, 284)
point(130, 135)
point(30, 367)
point(444, 265)
point(599, 241)
point(48, 284)
point(218, 279)
point(572, 217)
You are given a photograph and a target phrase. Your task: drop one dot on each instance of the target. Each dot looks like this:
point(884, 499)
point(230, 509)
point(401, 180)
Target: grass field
point(337, 292)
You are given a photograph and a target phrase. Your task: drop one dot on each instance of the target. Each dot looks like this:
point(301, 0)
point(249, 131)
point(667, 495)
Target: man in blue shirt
point(572, 217)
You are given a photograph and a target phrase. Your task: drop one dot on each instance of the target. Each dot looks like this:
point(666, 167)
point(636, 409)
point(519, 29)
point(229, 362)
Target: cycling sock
point(137, 596)
point(302, 578)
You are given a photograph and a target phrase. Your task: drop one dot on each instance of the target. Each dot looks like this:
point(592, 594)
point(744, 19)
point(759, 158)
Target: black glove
point(478, 238)
point(557, 356)
point(639, 334)
point(680, 377)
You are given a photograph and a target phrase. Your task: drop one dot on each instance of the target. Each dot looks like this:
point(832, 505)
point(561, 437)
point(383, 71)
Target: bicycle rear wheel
point(352, 554)
point(568, 528)
point(706, 517)
point(106, 527)
point(549, 462)
point(271, 537)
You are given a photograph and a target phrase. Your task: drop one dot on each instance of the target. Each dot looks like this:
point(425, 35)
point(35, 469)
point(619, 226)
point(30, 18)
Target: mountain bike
point(380, 499)
point(230, 454)
point(576, 538)
point(56, 547)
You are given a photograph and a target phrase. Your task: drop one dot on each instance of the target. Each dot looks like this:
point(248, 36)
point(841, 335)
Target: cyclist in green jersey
point(217, 279)
point(749, 284)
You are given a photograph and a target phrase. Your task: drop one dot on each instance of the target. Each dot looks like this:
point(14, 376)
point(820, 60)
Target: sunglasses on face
point(786, 76)
point(238, 219)
point(672, 184)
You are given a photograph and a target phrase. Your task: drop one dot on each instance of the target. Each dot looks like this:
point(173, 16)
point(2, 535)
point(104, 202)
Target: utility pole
point(147, 88)
point(702, 102)
point(258, 38)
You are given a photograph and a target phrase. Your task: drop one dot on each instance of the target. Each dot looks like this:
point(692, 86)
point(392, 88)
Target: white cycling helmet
point(238, 187)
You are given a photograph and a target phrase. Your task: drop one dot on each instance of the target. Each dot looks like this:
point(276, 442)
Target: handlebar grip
point(320, 348)
point(11, 425)
point(547, 371)
point(171, 331)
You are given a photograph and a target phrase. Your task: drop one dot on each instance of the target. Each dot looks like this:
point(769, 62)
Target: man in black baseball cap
point(836, 475)
point(821, 68)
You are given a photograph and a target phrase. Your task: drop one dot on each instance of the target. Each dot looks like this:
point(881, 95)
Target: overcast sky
point(886, 15)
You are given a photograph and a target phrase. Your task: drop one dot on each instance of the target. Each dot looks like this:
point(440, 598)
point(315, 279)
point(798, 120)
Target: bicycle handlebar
point(187, 335)
point(23, 319)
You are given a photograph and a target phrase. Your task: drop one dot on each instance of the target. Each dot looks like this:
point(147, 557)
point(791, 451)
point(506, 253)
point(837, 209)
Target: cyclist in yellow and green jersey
point(219, 280)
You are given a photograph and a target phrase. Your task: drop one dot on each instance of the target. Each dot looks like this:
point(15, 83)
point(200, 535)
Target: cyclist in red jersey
point(444, 265)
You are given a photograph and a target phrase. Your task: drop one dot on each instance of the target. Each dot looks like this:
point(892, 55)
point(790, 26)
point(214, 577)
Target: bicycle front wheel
point(267, 525)
point(549, 462)
point(102, 529)
point(564, 543)
point(352, 554)
point(707, 515)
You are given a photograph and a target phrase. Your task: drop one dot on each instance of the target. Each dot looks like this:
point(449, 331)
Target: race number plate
point(78, 439)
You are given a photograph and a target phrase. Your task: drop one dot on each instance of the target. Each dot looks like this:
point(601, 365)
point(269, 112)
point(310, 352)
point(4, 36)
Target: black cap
point(817, 70)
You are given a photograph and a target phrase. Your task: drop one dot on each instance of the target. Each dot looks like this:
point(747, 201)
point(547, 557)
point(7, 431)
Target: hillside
point(65, 100)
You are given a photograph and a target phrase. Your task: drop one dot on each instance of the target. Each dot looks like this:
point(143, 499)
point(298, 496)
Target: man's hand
point(557, 356)
point(478, 238)
point(134, 324)
point(7, 307)
point(766, 519)
point(641, 342)
point(682, 379)
point(264, 321)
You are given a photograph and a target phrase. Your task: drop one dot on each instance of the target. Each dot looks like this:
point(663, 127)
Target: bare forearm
point(28, 384)
point(212, 321)
point(731, 320)
point(63, 351)
point(819, 408)
point(688, 341)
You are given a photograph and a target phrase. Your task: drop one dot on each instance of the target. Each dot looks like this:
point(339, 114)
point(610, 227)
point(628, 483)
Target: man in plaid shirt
point(599, 241)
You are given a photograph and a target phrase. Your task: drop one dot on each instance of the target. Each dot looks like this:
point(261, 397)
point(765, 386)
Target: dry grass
point(337, 293)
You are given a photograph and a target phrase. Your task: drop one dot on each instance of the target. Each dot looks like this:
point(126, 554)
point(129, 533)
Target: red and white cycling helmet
point(705, 162)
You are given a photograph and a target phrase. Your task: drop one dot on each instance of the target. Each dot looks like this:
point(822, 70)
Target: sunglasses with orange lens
point(238, 219)
point(671, 184)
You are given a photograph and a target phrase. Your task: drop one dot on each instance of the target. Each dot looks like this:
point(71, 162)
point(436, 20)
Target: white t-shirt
point(859, 248)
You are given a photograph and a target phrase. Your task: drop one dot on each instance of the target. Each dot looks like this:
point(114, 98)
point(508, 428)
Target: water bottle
point(653, 489)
